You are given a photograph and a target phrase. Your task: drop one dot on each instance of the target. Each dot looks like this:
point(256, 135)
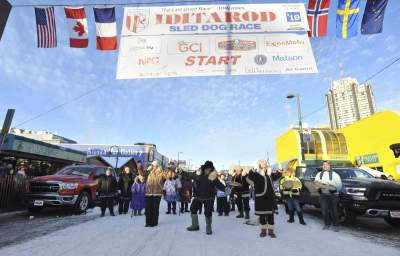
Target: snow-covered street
point(123, 235)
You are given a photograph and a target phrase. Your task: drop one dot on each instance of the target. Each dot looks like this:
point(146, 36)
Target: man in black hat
point(206, 182)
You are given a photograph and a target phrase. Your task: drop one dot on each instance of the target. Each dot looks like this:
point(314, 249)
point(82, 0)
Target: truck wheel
point(83, 202)
point(393, 222)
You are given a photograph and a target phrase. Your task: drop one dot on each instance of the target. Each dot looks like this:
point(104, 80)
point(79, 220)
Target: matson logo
point(282, 58)
point(215, 17)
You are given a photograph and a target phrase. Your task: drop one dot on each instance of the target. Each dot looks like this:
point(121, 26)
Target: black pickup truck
point(361, 195)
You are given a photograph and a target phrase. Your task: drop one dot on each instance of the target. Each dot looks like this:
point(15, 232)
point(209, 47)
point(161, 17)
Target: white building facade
point(348, 101)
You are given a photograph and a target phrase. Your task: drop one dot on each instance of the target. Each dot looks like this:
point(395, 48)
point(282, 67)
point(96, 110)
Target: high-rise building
point(348, 101)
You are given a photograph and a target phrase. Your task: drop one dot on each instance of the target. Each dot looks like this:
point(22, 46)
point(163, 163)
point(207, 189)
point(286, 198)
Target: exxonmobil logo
point(215, 17)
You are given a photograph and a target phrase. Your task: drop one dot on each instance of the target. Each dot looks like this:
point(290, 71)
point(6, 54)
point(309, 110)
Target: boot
point(208, 226)
point(247, 215)
point(135, 213)
point(195, 223)
point(263, 230)
point(140, 213)
point(240, 215)
point(301, 218)
point(271, 232)
point(291, 217)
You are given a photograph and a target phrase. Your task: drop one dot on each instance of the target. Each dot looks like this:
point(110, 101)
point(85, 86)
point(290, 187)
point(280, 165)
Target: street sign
point(6, 125)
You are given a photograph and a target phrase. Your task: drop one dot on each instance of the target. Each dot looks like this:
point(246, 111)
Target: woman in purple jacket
point(138, 195)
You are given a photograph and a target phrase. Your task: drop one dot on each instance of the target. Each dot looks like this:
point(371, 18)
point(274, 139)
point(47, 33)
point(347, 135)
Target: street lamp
point(116, 162)
point(177, 166)
point(297, 96)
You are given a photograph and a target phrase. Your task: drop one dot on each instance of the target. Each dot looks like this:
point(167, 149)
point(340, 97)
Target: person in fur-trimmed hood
point(154, 191)
point(206, 183)
point(264, 198)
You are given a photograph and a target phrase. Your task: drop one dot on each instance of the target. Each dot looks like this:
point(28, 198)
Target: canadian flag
point(77, 26)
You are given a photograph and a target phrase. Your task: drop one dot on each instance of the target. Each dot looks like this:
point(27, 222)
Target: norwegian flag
point(77, 26)
point(317, 15)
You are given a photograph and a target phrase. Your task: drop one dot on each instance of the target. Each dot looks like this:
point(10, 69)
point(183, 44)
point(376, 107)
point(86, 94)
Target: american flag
point(46, 27)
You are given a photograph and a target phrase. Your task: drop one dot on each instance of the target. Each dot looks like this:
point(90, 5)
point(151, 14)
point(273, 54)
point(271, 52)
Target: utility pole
point(297, 96)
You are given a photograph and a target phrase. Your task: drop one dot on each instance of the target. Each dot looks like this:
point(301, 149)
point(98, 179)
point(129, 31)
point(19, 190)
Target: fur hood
point(213, 175)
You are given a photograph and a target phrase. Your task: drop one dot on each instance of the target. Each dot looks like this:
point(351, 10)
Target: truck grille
point(37, 186)
point(390, 195)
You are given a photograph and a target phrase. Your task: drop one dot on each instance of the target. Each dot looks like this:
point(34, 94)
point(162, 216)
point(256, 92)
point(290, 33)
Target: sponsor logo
point(237, 45)
point(293, 16)
point(287, 58)
point(191, 47)
point(149, 61)
point(137, 20)
point(260, 59)
point(284, 43)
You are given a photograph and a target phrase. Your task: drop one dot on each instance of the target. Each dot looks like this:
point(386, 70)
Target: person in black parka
point(242, 193)
point(206, 183)
point(106, 191)
point(264, 198)
point(125, 183)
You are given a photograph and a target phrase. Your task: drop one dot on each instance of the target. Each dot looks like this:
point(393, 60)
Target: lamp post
point(116, 162)
point(300, 117)
point(189, 164)
point(177, 165)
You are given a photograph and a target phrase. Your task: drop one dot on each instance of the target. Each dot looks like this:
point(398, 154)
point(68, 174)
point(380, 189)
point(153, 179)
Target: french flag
point(106, 28)
point(77, 26)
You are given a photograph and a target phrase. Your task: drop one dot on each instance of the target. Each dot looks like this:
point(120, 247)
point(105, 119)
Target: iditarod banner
point(266, 39)
point(213, 19)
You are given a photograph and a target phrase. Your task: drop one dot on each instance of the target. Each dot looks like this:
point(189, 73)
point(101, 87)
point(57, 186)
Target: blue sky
point(224, 119)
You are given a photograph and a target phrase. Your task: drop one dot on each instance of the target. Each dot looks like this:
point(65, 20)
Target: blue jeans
point(294, 205)
point(329, 207)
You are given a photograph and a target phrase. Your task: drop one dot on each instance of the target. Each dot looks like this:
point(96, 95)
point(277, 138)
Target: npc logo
point(137, 20)
point(260, 59)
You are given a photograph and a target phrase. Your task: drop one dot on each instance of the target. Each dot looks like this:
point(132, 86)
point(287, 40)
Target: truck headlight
point(68, 186)
point(359, 192)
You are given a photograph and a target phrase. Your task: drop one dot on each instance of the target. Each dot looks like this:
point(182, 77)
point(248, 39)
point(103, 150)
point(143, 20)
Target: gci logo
point(184, 47)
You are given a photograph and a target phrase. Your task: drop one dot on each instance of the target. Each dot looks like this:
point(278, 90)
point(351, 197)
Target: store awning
point(18, 146)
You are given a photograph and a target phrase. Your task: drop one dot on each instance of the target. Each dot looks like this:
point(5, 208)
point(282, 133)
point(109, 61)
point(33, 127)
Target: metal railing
point(12, 191)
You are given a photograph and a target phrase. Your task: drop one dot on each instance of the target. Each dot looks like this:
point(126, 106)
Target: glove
point(97, 193)
point(119, 191)
point(295, 190)
point(333, 191)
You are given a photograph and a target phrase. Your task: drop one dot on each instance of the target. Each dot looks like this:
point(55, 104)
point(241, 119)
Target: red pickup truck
point(73, 186)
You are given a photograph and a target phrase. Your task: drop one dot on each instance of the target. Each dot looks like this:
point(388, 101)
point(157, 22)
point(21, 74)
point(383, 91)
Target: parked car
point(73, 186)
point(361, 195)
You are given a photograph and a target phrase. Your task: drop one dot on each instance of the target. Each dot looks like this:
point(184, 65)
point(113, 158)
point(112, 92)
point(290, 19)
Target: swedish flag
point(347, 18)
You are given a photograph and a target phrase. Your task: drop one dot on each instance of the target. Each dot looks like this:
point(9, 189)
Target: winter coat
point(125, 183)
point(243, 190)
point(293, 192)
point(205, 186)
point(264, 192)
point(155, 182)
point(138, 195)
point(171, 190)
point(107, 185)
point(186, 190)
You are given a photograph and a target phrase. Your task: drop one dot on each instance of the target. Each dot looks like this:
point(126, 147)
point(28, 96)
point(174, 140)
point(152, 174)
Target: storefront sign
point(20, 144)
point(214, 55)
point(367, 159)
point(214, 19)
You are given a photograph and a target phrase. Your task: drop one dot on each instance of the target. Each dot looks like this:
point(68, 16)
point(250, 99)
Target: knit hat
point(208, 164)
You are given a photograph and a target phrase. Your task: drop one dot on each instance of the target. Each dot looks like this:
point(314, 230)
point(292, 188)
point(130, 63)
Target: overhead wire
point(365, 81)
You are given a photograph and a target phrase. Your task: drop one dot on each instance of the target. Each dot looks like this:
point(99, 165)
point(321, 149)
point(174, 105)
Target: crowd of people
point(143, 190)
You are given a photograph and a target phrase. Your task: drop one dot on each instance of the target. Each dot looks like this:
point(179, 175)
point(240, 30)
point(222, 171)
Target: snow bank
point(123, 235)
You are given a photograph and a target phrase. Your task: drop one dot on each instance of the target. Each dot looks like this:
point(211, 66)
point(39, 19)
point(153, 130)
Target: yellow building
point(365, 142)
point(369, 142)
